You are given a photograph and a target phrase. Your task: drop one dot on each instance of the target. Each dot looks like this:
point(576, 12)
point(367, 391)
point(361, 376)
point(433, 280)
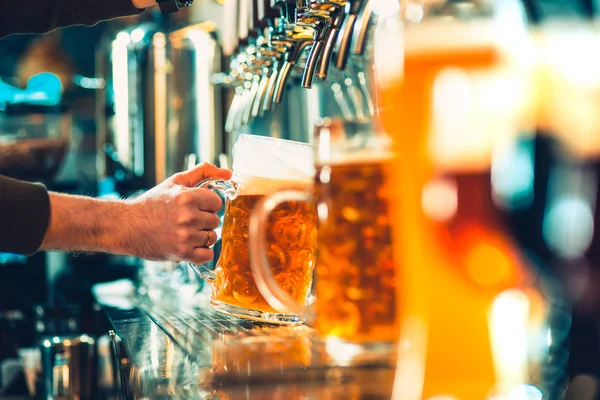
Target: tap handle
point(361, 28)
point(282, 78)
point(343, 41)
point(260, 96)
point(233, 110)
point(327, 53)
point(311, 64)
point(252, 98)
point(270, 94)
point(239, 115)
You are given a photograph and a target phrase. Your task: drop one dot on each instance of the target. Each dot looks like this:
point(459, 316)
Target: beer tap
point(345, 34)
point(241, 79)
point(233, 110)
point(276, 37)
point(349, 80)
point(320, 17)
point(361, 28)
point(358, 49)
point(235, 81)
point(274, 55)
point(274, 79)
point(257, 79)
point(263, 84)
point(294, 41)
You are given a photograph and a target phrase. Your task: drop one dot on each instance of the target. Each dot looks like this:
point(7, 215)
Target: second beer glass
point(355, 281)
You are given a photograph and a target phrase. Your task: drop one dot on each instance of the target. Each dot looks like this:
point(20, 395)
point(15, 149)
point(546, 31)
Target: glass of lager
point(262, 166)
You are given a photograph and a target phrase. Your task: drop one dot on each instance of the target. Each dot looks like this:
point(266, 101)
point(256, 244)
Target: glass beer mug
point(455, 97)
point(355, 284)
point(262, 166)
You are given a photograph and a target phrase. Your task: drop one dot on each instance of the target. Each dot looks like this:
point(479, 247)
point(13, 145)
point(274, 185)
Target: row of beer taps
point(281, 40)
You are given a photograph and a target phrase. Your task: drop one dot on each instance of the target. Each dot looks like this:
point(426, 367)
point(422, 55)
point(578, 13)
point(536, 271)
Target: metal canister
point(159, 107)
point(68, 365)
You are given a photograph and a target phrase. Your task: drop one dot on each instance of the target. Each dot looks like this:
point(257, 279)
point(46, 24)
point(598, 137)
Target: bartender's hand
point(176, 220)
point(173, 221)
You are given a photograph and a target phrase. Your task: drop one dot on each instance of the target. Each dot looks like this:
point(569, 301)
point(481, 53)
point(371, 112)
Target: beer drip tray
point(230, 351)
point(173, 350)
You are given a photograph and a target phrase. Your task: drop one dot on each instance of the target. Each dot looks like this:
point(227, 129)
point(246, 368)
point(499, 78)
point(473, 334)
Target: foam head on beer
point(349, 142)
point(263, 165)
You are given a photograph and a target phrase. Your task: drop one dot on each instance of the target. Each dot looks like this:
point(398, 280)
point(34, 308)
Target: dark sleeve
point(24, 216)
point(41, 16)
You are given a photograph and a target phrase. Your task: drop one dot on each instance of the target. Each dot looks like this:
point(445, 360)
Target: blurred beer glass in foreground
point(355, 283)
point(568, 81)
point(457, 91)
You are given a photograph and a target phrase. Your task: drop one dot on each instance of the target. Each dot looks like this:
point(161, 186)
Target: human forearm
point(172, 221)
point(88, 224)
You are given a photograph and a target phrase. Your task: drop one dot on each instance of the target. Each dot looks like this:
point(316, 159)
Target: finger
point(204, 199)
point(199, 173)
point(192, 238)
point(210, 238)
point(208, 220)
point(200, 255)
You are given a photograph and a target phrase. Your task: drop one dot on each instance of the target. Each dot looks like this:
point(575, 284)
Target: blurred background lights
point(386, 8)
point(525, 392)
point(569, 227)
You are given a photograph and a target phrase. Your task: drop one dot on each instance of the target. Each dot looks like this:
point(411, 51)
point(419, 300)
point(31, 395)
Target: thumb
point(200, 172)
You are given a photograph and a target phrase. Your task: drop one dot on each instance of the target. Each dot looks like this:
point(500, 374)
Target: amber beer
point(454, 252)
point(291, 233)
point(355, 272)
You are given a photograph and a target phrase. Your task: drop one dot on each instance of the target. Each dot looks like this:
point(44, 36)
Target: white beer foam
point(271, 158)
point(259, 186)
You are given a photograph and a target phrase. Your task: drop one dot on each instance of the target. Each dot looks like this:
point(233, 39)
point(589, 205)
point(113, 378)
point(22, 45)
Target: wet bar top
point(184, 351)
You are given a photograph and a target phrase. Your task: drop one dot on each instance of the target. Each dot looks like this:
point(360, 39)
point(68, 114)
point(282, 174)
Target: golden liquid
point(355, 273)
point(453, 265)
point(291, 236)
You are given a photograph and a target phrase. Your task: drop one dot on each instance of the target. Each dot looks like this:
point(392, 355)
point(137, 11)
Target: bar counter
point(184, 351)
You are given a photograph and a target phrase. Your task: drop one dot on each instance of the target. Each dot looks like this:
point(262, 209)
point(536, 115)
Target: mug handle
point(277, 298)
point(230, 189)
